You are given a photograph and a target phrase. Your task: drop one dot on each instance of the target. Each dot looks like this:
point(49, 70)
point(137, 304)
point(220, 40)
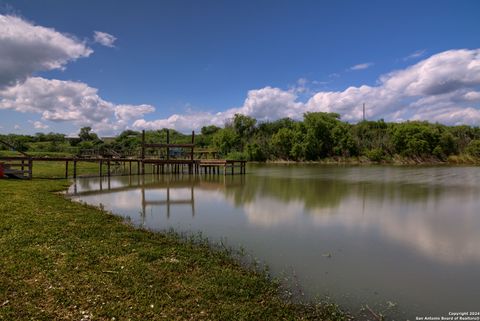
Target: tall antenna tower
point(363, 111)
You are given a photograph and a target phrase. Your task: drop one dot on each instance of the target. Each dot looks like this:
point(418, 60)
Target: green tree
point(19, 142)
point(86, 134)
point(299, 145)
point(415, 139)
point(209, 130)
point(127, 143)
point(255, 152)
point(226, 140)
point(343, 142)
point(282, 143)
point(243, 125)
point(370, 135)
point(463, 135)
point(267, 129)
point(318, 138)
point(473, 148)
point(206, 137)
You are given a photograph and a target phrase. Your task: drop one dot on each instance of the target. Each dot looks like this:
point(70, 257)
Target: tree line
point(317, 136)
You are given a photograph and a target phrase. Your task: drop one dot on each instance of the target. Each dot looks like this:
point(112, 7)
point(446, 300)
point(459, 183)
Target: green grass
point(61, 260)
point(52, 169)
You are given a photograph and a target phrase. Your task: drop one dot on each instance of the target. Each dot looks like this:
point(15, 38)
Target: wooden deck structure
point(21, 166)
point(17, 166)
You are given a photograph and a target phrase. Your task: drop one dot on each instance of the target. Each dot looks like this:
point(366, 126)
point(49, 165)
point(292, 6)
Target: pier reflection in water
point(158, 194)
point(363, 235)
point(168, 201)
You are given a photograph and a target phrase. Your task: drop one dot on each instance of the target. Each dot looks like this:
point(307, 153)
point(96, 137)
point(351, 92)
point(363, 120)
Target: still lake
point(376, 235)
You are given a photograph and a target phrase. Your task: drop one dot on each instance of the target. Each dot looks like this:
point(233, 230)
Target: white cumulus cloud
point(38, 125)
point(183, 123)
point(26, 48)
point(60, 100)
point(362, 66)
point(434, 89)
point(443, 88)
point(104, 38)
point(416, 54)
point(125, 113)
point(263, 104)
point(56, 100)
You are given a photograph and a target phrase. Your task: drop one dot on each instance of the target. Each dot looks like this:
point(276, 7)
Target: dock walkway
point(22, 166)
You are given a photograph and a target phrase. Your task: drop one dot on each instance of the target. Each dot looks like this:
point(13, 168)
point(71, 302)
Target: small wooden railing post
point(30, 168)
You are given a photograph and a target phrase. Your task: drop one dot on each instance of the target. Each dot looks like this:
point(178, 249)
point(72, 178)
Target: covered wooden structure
point(21, 166)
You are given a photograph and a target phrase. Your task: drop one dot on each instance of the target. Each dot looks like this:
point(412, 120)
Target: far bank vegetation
point(318, 137)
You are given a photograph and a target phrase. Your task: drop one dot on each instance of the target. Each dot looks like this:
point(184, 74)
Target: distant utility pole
point(363, 111)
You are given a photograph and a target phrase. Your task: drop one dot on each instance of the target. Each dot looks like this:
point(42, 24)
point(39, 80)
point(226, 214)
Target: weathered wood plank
point(169, 145)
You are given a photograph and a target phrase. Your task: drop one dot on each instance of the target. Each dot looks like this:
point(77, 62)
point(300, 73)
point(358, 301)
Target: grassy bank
point(64, 260)
point(397, 160)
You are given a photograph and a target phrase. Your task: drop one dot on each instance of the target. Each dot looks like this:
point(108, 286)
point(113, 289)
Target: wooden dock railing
point(16, 167)
point(21, 166)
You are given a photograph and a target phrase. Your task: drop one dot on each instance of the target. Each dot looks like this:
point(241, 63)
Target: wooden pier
point(22, 166)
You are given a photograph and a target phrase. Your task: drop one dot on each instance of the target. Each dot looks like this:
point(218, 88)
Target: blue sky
point(184, 64)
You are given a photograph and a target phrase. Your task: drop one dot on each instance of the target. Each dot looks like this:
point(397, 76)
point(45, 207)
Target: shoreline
point(396, 161)
point(64, 259)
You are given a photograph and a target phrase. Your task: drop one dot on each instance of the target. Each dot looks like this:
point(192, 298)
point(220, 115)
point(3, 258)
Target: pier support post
point(143, 151)
point(30, 168)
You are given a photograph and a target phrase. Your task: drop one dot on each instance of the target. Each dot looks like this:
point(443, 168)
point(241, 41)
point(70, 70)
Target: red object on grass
point(1, 170)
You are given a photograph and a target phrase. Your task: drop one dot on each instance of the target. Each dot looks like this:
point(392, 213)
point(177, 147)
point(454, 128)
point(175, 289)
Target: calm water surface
point(361, 235)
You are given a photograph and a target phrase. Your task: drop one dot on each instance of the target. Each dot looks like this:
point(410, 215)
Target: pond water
point(376, 235)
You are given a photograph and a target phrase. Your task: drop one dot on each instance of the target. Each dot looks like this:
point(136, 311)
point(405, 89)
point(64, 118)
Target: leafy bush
point(416, 147)
point(375, 155)
point(225, 140)
point(473, 148)
point(282, 142)
point(439, 153)
point(255, 152)
point(237, 156)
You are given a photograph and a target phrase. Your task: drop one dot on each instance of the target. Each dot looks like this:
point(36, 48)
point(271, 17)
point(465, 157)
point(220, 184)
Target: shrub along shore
point(318, 137)
point(62, 260)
